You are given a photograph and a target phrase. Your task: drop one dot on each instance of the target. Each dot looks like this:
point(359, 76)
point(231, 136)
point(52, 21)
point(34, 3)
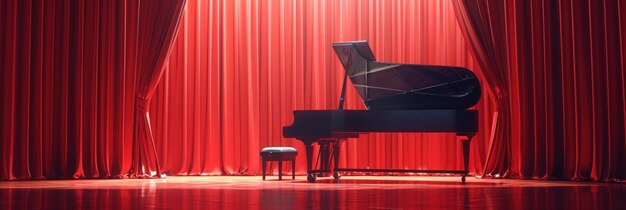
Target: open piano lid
point(405, 86)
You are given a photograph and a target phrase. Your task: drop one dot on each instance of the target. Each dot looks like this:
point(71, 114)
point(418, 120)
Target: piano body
point(399, 98)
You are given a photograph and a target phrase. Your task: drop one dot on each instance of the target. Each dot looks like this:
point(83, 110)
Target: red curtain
point(68, 86)
point(564, 64)
point(239, 68)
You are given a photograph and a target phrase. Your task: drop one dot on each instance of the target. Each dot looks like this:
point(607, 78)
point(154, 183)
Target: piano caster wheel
point(310, 178)
point(463, 179)
point(336, 175)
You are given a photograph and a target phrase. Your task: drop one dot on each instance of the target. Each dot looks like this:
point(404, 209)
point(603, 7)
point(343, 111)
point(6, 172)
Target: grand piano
point(398, 98)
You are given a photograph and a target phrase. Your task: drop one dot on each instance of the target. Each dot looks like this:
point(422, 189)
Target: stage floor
point(351, 192)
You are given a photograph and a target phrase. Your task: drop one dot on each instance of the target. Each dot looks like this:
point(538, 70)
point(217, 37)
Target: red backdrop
point(238, 69)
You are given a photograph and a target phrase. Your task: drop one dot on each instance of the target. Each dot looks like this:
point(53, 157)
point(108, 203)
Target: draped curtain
point(239, 68)
point(563, 64)
point(156, 28)
point(482, 23)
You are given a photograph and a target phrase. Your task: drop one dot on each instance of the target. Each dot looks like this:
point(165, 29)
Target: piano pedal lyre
point(328, 151)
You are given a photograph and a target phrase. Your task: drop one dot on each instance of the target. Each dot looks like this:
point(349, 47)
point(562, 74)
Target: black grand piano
point(399, 98)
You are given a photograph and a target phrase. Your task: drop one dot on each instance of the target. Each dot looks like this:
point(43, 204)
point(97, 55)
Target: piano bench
point(279, 154)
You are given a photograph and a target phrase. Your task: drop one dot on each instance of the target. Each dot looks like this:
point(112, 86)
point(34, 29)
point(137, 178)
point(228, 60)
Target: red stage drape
point(68, 84)
point(563, 63)
point(239, 68)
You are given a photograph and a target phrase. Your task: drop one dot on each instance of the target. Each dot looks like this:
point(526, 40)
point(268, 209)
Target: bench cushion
point(278, 150)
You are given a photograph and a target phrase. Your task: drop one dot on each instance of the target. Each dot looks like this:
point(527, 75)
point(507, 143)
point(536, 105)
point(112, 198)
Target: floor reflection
point(348, 194)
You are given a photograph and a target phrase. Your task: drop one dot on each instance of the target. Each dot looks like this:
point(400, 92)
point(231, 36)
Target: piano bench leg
point(280, 167)
point(280, 170)
point(263, 168)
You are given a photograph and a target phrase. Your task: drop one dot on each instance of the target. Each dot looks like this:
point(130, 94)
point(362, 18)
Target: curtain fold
point(563, 63)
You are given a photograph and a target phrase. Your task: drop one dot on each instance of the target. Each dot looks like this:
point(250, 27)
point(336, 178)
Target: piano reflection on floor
point(399, 98)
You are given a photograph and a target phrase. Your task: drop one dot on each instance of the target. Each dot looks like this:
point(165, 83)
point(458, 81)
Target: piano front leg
point(310, 176)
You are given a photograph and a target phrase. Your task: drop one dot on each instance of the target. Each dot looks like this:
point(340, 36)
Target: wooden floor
point(351, 192)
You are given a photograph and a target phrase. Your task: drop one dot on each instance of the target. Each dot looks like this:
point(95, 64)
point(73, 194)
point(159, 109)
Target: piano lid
point(405, 86)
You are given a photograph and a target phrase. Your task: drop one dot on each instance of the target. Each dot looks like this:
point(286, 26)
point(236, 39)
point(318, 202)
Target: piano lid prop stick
point(343, 91)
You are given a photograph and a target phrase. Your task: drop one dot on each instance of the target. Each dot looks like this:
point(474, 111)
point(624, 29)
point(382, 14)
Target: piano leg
point(336, 150)
point(324, 156)
point(310, 176)
point(466, 148)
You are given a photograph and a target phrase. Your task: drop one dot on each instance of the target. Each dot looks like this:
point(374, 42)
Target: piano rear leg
point(310, 176)
point(466, 148)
